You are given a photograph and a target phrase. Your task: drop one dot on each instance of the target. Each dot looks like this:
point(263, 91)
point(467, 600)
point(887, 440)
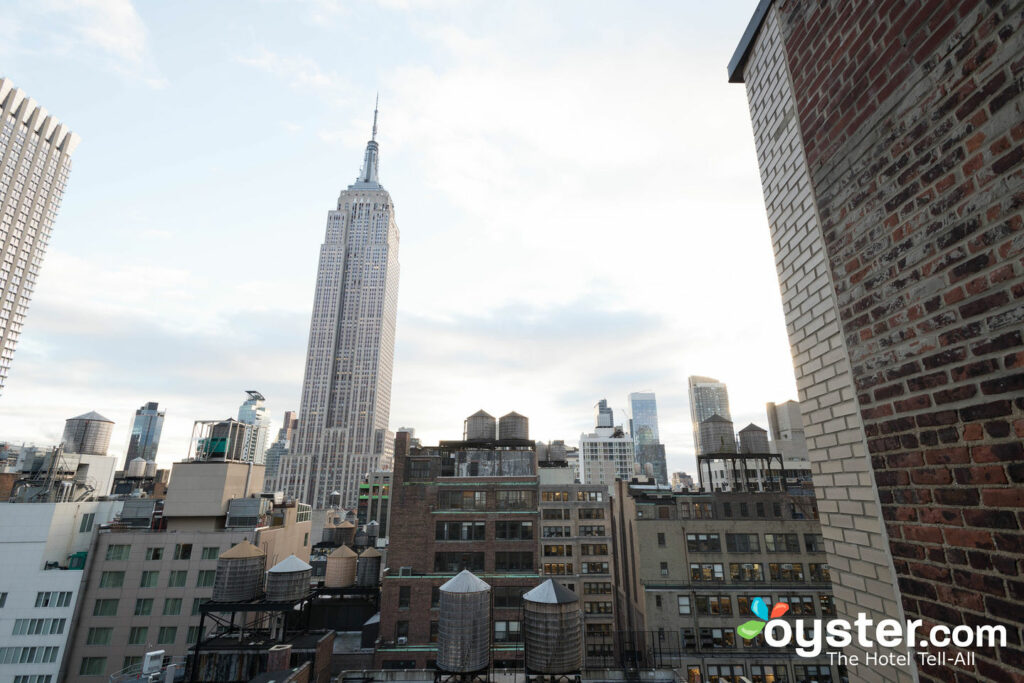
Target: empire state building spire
point(368, 177)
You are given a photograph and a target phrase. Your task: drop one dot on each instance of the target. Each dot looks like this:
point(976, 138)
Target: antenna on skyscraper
point(376, 104)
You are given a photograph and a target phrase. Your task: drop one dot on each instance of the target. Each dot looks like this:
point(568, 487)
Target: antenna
point(376, 104)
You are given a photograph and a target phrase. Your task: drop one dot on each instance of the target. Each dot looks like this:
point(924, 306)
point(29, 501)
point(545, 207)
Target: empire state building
point(346, 394)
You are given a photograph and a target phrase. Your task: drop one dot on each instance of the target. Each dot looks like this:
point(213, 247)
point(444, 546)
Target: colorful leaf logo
point(750, 629)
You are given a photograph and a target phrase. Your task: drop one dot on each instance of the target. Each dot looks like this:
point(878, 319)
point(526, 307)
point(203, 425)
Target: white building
point(708, 397)
point(43, 552)
point(254, 412)
point(35, 153)
point(607, 453)
point(346, 392)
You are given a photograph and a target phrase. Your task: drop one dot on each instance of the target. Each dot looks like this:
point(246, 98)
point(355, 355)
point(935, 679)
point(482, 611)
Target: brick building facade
point(891, 147)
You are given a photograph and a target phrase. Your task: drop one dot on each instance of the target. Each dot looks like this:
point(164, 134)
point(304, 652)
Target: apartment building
point(146, 580)
point(689, 565)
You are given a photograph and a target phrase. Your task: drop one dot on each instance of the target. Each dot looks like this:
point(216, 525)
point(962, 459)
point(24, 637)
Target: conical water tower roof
point(346, 525)
point(465, 582)
point(288, 565)
point(370, 552)
point(242, 550)
point(482, 413)
point(93, 415)
point(343, 551)
point(552, 593)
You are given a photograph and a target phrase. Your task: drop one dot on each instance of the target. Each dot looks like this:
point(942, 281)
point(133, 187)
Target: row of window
point(747, 572)
point(722, 605)
point(139, 635)
point(451, 562)
point(150, 579)
point(564, 496)
point(707, 511)
point(38, 627)
point(566, 513)
point(182, 551)
point(750, 543)
point(28, 655)
point(107, 607)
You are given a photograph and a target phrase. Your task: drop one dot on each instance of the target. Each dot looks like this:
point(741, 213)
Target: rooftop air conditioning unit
point(152, 662)
point(402, 640)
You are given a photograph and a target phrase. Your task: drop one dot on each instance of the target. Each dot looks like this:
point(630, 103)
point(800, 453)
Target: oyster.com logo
point(750, 629)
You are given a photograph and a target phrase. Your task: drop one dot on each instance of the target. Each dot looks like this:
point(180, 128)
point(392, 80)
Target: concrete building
point(889, 148)
point(254, 412)
point(681, 481)
point(44, 549)
point(346, 392)
point(147, 577)
point(375, 503)
point(87, 434)
point(35, 160)
point(689, 566)
point(708, 397)
point(607, 453)
point(144, 438)
point(786, 426)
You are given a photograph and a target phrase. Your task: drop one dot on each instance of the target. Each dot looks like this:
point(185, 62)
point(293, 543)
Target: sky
point(575, 183)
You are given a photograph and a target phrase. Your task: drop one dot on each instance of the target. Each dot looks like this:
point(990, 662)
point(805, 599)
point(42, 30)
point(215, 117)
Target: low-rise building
point(689, 566)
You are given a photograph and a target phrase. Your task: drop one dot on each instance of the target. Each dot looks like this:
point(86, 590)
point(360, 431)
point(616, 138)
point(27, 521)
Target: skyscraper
point(708, 397)
point(254, 412)
point(280, 448)
point(644, 430)
point(346, 393)
point(145, 435)
point(35, 159)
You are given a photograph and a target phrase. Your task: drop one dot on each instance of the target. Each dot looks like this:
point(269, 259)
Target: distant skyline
point(577, 187)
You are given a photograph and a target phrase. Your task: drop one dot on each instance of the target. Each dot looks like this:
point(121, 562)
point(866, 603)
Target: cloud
point(300, 73)
point(109, 30)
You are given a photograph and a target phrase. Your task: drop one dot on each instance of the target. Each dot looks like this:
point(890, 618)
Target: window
point(714, 605)
point(768, 673)
point(777, 509)
point(597, 588)
point(177, 578)
point(591, 513)
point(820, 572)
point(590, 496)
point(661, 539)
point(33, 678)
point(460, 531)
point(597, 607)
point(555, 513)
point(557, 531)
point(729, 673)
point(137, 635)
point(106, 607)
point(28, 655)
point(703, 511)
point(516, 500)
point(149, 579)
point(557, 550)
point(193, 635)
point(594, 549)
point(683, 603)
point(558, 568)
point(743, 543)
point(419, 469)
point(799, 605)
point(828, 605)
point(143, 607)
point(781, 543)
point(506, 631)
point(402, 629)
point(205, 578)
point(513, 531)
point(87, 520)
point(519, 561)
point(111, 579)
point(462, 500)
point(786, 571)
point(183, 551)
point(435, 630)
point(744, 509)
point(36, 627)
point(456, 562)
point(435, 597)
point(3, 600)
point(167, 635)
point(172, 606)
point(196, 604)
point(592, 530)
point(594, 568)
point(404, 597)
point(599, 630)
point(154, 553)
point(706, 571)
point(703, 543)
point(553, 496)
point(510, 597)
point(746, 572)
point(92, 666)
point(760, 510)
point(99, 636)
point(717, 638)
point(211, 553)
point(819, 673)
point(118, 552)
point(129, 662)
point(743, 603)
point(664, 568)
point(727, 509)
point(52, 598)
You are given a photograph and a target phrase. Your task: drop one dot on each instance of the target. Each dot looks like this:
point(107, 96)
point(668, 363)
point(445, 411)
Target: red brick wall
point(913, 124)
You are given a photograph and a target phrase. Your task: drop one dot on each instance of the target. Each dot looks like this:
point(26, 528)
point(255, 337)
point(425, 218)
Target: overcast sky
point(575, 184)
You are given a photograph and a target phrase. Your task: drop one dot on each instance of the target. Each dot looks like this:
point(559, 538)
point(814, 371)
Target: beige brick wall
point(855, 537)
